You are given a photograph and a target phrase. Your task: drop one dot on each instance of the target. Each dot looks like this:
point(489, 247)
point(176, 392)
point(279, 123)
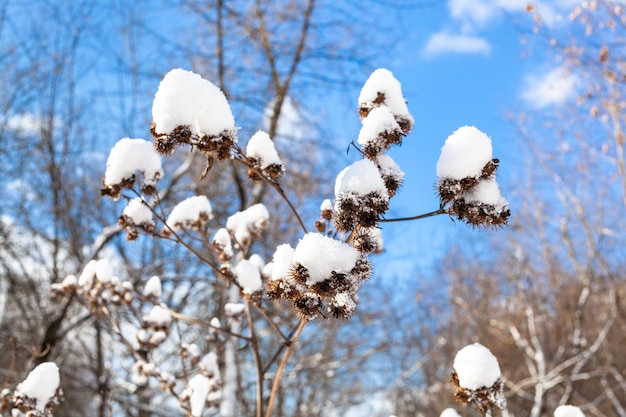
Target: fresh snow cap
point(138, 212)
point(186, 99)
point(321, 255)
point(449, 412)
point(476, 367)
point(282, 261)
point(234, 309)
point(248, 276)
point(486, 192)
point(257, 261)
point(361, 178)
point(189, 211)
point(388, 167)
point(248, 222)
point(222, 241)
point(41, 384)
point(261, 147)
point(382, 81)
point(153, 288)
point(159, 317)
point(326, 205)
point(568, 411)
point(464, 154)
point(377, 122)
point(199, 386)
point(129, 156)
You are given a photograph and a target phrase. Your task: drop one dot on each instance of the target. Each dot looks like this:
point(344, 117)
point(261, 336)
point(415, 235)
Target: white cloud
point(550, 88)
point(445, 42)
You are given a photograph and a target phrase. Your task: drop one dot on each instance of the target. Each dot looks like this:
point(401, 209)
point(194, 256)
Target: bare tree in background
point(548, 298)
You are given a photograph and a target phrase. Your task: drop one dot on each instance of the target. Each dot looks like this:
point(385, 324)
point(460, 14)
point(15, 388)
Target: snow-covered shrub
point(320, 277)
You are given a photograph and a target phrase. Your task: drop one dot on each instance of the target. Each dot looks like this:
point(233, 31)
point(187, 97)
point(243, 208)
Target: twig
point(440, 210)
point(257, 361)
point(281, 367)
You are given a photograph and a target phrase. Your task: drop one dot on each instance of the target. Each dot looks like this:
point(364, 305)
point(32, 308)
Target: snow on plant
point(263, 156)
point(190, 110)
point(568, 411)
point(466, 179)
point(319, 277)
point(449, 412)
point(128, 158)
point(137, 216)
point(382, 88)
point(319, 271)
point(190, 214)
point(477, 378)
point(247, 224)
point(39, 393)
point(361, 196)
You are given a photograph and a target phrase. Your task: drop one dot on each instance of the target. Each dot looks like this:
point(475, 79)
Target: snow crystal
point(476, 367)
point(449, 412)
point(261, 147)
point(234, 309)
point(321, 255)
point(362, 178)
point(189, 212)
point(464, 154)
point(282, 261)
point(251, 221)
point(41, 384)
point(200, 386)
point(486, 192)
point(129, 156)
point(153, 288)
point(248, 276)
point(382, 81)
point(568, 411)
point(138, 212)
point(186, 99)
point(377, 122)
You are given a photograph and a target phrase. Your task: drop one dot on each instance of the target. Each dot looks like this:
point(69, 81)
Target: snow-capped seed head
point(222, 244)
point(482, 205)
point(568, 411)
point(379, 131)
point(322, 255)
point(234, 310)
point(128, 158)
point(476, 367)
point(342, 306)
point(158, 318)
point(190, 214)
point(390, 172)
point(40, 388)
point(137, 215)
point(262, 153)
point(246, 224)
point(361, 196)
point(153, 289)
point(449, 412)
point(464, 154)
point(248, 277)
point(186, 99)
point(383, 88)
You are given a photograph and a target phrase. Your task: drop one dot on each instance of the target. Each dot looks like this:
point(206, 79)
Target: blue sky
point(464, 62)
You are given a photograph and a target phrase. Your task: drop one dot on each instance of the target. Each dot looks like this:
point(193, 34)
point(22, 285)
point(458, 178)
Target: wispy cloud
point(549, 88)
point(444, 42)
point(470, 17)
